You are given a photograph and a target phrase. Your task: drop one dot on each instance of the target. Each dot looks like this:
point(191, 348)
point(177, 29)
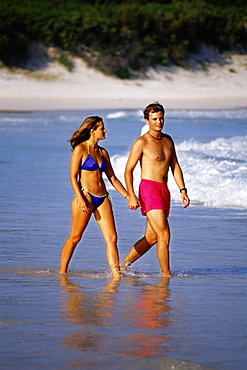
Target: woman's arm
point(116, 183)
point(75, 170)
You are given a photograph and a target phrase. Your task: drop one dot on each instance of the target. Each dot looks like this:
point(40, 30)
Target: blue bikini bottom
point(97, 200)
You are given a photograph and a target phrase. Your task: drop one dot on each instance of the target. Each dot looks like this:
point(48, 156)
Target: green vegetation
point(63, 59)
point(121, 37)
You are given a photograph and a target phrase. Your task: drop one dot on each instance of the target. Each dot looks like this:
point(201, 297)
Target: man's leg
point(159, 223)
point(140, 247)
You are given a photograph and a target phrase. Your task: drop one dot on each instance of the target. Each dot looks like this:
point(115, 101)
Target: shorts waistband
point(154, 182)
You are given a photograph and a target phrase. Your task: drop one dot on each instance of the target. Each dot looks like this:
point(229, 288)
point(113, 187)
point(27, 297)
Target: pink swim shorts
point(154, 195)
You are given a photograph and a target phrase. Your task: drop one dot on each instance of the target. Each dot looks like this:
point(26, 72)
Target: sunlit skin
point(156, 157)
point(82, 207)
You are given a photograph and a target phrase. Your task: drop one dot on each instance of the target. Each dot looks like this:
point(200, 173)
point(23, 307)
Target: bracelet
point(125, 196)
point(184, 189)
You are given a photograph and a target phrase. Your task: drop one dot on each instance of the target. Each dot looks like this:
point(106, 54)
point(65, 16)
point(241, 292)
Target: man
point(156, 153)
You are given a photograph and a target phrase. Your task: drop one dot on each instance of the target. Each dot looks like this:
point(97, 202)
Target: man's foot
point(124, 265)
point(168, 274)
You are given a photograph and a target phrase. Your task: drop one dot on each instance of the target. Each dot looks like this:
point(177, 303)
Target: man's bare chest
point(158, 153)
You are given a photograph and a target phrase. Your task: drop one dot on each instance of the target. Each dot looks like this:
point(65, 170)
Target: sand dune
point(220, 84)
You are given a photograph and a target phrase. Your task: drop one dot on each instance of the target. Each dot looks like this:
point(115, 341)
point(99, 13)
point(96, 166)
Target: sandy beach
point(220, 84)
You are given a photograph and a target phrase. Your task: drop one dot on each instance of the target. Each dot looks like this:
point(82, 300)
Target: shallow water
point(195, 320)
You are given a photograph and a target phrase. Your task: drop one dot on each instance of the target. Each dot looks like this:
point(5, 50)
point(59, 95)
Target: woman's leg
point(78, 225)
point(105, 219)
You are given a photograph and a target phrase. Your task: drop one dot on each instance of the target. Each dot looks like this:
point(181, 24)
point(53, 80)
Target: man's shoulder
point(167, 137)
point(140, 139)
point(138, 145)
point(143, 139)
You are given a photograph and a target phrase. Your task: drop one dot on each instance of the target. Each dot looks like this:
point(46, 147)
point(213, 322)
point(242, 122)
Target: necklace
point(156, 138)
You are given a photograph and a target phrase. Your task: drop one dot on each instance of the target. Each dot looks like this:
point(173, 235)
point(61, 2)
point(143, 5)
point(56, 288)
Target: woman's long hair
point(83, 132)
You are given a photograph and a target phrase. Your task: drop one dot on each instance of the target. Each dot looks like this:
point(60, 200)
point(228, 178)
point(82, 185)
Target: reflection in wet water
point(147, 313)
point(110, 320)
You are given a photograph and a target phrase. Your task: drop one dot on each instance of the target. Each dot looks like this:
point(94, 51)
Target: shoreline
point(108, 108)
point(36, 105)
point(214, 86)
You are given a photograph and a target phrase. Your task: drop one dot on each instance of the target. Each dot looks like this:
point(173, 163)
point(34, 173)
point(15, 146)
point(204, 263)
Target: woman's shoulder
point(82, 146)
point(80, 149)
point(103, 150)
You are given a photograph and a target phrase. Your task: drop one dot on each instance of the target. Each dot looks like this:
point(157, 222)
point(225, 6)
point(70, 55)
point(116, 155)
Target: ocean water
point(195, 320)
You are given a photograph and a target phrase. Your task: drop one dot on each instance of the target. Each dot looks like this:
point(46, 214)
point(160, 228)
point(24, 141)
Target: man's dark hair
point(153, 108)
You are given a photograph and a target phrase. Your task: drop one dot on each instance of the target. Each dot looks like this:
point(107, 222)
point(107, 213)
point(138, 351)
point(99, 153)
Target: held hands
point(133, 202)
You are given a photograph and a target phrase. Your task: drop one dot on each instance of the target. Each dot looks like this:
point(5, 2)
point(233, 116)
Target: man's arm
point(134, 156)
point(178, 176)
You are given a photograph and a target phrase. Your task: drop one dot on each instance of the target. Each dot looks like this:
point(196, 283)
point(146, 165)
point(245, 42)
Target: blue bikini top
point(90, 165)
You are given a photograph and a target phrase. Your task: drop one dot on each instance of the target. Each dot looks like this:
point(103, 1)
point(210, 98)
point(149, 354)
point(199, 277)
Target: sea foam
point(215, 172)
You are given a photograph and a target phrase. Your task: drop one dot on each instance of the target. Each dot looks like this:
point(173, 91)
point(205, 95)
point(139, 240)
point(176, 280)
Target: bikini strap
point(87, 148)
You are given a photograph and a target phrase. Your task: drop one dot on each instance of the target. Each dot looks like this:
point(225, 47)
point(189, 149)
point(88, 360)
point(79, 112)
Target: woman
point(88, 162)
